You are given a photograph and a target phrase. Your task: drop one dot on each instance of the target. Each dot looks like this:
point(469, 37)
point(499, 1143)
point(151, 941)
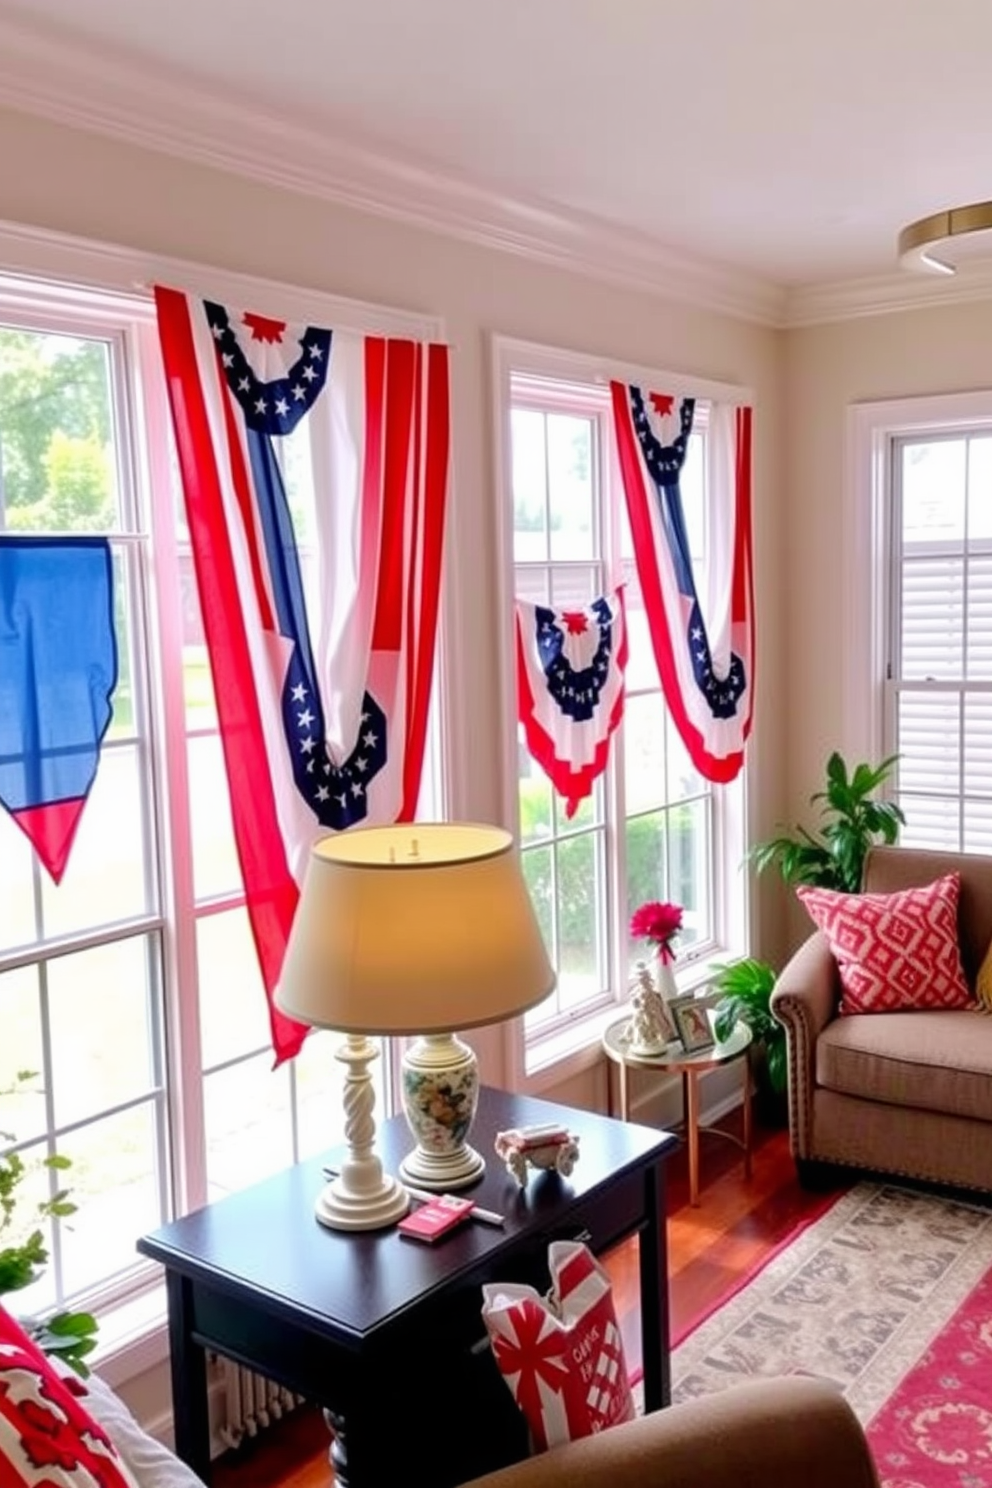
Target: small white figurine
point(540, 1147)
point(650, 1029)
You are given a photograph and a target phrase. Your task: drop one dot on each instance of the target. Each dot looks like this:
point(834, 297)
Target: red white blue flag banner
point(570, 688)
point(703, 643)
point(58, 671)
point(322, 661)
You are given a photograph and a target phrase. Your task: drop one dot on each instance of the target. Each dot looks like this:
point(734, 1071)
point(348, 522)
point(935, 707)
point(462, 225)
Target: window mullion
point(962, 704)
point(180, 971)
point(156, 995)
point(965, 631)
point(51, 1176)
point(893, 611)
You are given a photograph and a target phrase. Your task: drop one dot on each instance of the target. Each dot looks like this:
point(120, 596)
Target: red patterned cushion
point(47, 1439)
point(894, 951)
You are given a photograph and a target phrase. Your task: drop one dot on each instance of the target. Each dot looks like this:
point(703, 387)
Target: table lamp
point(420, 929)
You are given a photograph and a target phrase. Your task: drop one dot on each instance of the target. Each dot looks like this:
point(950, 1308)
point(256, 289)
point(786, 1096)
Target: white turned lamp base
point(440, 1096)
point(362, 1196)
point(340, 1209)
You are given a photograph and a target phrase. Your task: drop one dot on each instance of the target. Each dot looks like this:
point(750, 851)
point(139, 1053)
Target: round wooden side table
point(690, 1067)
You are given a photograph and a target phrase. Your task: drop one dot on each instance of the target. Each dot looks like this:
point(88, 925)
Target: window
point(132, 989)
point(653, 828)
point(938, 714)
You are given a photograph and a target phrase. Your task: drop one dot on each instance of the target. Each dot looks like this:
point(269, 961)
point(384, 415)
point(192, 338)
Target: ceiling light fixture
point(916, 240)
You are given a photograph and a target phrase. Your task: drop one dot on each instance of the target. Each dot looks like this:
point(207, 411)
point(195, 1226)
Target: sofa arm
point(784, 1432)
point(804, 1001)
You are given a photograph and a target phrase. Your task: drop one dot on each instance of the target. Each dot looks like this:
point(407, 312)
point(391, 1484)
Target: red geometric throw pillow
point(47, 1439)
point(894, 952)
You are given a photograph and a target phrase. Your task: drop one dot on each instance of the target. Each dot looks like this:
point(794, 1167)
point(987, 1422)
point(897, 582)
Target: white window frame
point(117, 321)
point(53, 280)
point(576, 1048)
point(865, 580)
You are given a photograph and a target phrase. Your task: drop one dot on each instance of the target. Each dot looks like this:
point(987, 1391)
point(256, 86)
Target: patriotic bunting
point(58, 671)
point(322, 688)
point(570, 688)
point(704, 651)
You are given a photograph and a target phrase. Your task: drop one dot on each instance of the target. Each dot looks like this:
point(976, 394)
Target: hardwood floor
point(711, 1249)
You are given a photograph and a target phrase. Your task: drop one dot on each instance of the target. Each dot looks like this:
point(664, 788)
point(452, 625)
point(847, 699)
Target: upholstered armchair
point(907, 1093)
point(788, 1433)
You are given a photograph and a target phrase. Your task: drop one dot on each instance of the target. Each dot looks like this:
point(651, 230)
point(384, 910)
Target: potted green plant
point(830, 856)
point(747, 988)
point(70, 1335)
point(833, 855)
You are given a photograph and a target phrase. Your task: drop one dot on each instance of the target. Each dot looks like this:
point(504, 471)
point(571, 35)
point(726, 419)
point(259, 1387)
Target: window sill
point(133, 1338)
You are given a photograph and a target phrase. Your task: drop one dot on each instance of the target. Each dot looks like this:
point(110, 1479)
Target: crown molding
point(107, 93)
point(103, 92)
point(78, 265)
point(886, 294)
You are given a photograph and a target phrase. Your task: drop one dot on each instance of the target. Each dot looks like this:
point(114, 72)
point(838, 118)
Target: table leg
point(190, 1412)
point(690, 1087)
point(624, 1092)
point(360, 1455)
point(337, 1452)
point(747, 1115)
point(653, 1256)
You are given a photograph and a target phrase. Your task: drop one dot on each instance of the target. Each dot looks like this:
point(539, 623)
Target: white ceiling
point(788, 140)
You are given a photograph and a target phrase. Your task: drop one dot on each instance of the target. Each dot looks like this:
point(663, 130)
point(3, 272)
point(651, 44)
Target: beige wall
point(828, 368)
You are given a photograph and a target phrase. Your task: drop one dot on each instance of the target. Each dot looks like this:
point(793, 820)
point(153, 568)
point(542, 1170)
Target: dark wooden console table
point(385, 1333)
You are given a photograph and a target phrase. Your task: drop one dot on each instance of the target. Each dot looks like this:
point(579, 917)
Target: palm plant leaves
point(70, 1335)
point(747, 988)
point(852, 821)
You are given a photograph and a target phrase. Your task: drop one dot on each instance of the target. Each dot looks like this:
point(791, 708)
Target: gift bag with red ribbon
point(561, 1355)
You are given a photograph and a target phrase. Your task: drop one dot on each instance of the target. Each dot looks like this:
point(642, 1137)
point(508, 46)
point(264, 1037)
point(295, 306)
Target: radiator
point(251, 1402)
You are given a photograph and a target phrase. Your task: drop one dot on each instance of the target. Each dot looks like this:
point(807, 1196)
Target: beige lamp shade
point(414, 929)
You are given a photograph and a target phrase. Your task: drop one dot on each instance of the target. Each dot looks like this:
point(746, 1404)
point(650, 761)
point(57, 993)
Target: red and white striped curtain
point(322, 687)
point(702, 627)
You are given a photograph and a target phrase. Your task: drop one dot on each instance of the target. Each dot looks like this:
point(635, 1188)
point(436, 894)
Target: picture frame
point(692, 1024)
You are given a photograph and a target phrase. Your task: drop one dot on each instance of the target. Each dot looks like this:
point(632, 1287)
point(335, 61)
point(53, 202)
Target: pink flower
point(659, 923)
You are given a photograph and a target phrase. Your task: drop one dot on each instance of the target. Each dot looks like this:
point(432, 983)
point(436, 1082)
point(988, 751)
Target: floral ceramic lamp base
point(440, 1096)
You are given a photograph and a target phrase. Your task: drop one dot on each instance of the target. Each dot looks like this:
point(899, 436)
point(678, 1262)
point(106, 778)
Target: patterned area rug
point(890, 1295)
